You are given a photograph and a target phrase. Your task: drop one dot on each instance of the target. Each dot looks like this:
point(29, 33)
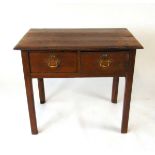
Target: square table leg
point(115, 89)
point(127, 93)
point(126, 106)
point(29, 92)
point(41, 90)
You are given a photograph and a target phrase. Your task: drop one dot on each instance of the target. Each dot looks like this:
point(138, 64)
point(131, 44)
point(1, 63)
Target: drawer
point(53, 62)
point(103, 63)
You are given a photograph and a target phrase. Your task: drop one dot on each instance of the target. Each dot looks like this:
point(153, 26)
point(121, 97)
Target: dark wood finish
point(39, 62)
point(90, 63)
point(29, 92)
point(78, 39)
point(66, 53)
point(41, 90)
point(72, 75)
point(115, 89)
point(127, 94)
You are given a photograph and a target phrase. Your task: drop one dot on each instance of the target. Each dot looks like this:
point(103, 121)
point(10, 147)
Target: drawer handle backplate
point(54, 61)
point(104, 61)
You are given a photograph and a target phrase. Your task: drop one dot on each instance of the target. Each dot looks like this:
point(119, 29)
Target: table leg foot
point(34, 132)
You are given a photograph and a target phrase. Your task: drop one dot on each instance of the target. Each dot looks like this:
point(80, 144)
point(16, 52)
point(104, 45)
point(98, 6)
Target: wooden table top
point(78, 39)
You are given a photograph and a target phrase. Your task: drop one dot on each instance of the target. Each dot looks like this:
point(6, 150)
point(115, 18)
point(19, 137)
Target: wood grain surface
point(78, 39)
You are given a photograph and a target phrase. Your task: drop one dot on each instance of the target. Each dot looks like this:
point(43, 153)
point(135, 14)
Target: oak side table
point(70, 53)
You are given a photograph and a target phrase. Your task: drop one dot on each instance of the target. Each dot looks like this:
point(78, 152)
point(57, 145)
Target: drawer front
point(53, 62)
point(103, 63)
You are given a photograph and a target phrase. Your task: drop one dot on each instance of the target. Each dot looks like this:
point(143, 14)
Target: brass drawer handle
point(53, 61)
point(104, 61)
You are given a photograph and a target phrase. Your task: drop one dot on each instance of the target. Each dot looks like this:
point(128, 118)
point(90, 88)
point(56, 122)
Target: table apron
point(74, 75)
